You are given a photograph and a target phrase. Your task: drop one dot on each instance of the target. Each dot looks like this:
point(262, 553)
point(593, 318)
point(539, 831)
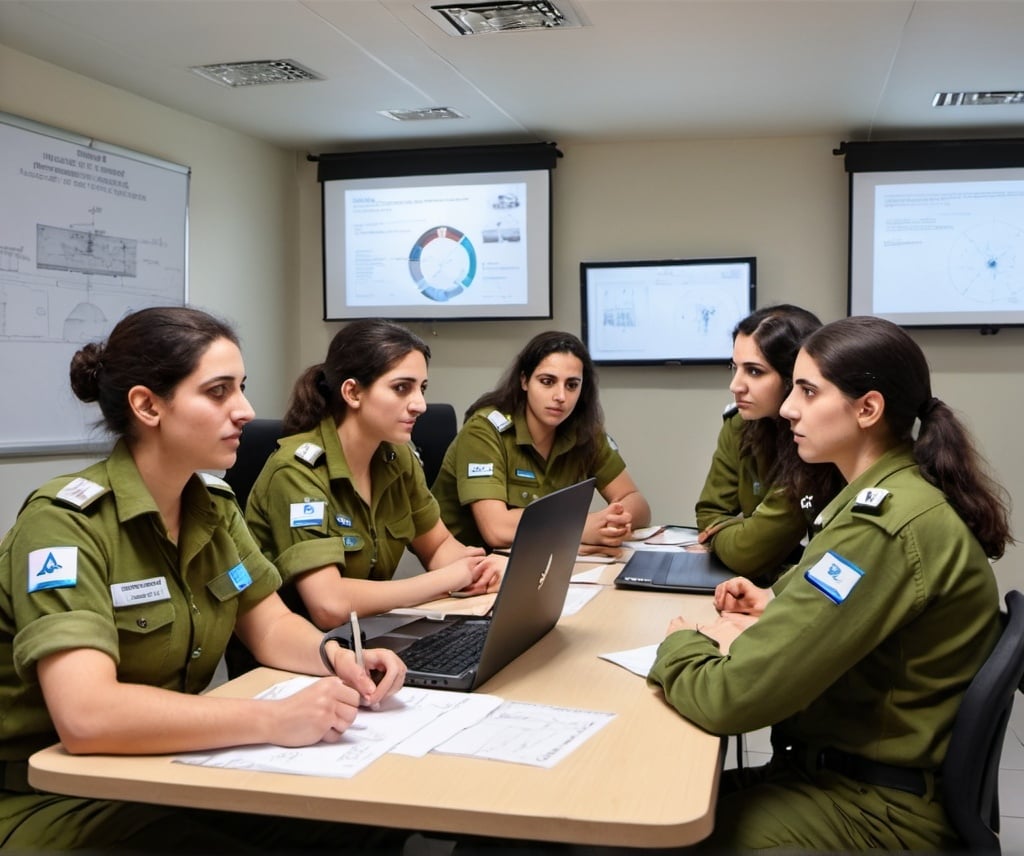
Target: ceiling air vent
point(261, 72)
point(978, 99)
point(470, 19)
point(422, 114)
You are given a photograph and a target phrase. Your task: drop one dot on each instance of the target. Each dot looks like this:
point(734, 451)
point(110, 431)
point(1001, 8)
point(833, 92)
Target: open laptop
point(528, 604)
point(674, 571)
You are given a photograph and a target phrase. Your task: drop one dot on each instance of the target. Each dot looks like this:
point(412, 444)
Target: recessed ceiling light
point(259, 72)
point(422, 113)
point(978, 99)
point(470, 19)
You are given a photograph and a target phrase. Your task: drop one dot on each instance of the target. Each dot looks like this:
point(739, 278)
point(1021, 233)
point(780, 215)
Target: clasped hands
point(608, 527)
point(739, 604)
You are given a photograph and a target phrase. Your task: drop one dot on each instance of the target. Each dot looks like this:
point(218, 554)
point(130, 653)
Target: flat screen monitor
point(435, 235)
point(937, 233)
point(668, 312)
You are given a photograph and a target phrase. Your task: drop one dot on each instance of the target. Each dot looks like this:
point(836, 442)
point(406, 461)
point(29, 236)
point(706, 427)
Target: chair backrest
point(432, 435)
point(971, 768)
point(259, 440)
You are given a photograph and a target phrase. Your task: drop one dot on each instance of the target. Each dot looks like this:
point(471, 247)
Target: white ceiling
point(637, 69)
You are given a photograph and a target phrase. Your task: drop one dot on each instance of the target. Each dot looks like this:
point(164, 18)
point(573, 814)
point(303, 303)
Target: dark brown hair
point(863, 354)
point(778, 331)
point(156, 348)
point(587, 417)
point(363, 351)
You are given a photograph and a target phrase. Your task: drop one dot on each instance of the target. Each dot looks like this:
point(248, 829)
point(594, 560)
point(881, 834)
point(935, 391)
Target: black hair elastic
point(343, 636)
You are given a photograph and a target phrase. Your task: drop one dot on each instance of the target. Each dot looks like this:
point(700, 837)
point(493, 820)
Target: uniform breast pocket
point(521, 492)
point(402, 529)
point(146, 638)
point(145, 618)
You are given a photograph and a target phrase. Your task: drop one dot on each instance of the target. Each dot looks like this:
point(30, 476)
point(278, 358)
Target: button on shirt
point(483, 463)
point(174, 641)
point(365, 541)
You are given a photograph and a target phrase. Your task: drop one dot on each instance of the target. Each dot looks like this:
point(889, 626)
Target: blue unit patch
point(240, 577)
point(52, 567)
point(834, 576)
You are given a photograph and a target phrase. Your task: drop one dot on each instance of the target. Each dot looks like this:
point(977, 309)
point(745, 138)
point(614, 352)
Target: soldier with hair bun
point(120, 587)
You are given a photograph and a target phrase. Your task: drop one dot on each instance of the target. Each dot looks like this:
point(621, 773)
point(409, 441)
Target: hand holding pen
point(359, 667)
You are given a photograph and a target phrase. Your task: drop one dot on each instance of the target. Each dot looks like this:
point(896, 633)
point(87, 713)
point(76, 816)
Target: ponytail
point(949, 460)
point(310, 401)
point(864, 353)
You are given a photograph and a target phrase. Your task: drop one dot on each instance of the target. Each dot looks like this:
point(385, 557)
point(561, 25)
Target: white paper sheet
point(522, 733)
point(638, 660)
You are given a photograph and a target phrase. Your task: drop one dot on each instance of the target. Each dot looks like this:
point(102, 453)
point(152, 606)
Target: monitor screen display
point(939, 247)
point(669, 312)
point(455, 246)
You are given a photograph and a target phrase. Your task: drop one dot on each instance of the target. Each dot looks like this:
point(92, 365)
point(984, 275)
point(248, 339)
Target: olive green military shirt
point(493, 457)
point(88, 564)
point(770, 528)
point(305, 512)
point(871, 639)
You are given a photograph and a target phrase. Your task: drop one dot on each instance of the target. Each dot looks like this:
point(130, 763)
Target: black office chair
point(971, 768)
point(259, 439)
point(432, 435)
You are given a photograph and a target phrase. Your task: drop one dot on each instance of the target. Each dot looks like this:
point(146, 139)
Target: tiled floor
point(757, 750)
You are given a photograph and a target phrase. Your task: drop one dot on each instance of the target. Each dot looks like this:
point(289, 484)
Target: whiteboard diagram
point(88, 234)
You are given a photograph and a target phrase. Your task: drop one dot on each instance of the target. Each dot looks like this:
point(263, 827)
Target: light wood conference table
point(647, 779)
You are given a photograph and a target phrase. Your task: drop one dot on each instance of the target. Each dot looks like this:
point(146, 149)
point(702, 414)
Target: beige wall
point(242, 234)
point(782, 200)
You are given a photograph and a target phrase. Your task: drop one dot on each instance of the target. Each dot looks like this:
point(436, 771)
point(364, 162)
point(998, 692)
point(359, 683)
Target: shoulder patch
point(309, 453)
point(834, 576)
point(217, 483)
point(52, 567)
point(80, 493)
point(499, 420)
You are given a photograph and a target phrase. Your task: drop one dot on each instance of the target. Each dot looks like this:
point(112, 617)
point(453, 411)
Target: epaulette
point(870, 500)
point(499, 420)
point(217, 484)
point(309, 453)
point(80, 493)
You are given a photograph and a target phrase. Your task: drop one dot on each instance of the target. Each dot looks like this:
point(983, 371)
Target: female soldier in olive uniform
point(759, 497)
point(540, 430)
point(863, 655)
point(120, 586)
point(343, 496)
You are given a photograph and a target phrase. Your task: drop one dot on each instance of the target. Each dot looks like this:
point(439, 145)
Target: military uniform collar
point(133, 499)
point(565, 437)
point(383, 468)
point(130, 492)
point(893, 461)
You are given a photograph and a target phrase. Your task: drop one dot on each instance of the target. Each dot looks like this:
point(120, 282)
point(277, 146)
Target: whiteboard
point(89, 232)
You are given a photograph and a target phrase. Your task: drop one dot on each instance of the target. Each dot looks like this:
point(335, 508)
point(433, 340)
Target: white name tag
point(52, 567)
point(139, 591)
point(306, 514)
point(477, 470)
point(834, 576)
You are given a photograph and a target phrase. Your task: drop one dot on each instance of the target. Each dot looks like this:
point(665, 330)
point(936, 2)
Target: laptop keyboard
point(449, 651)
